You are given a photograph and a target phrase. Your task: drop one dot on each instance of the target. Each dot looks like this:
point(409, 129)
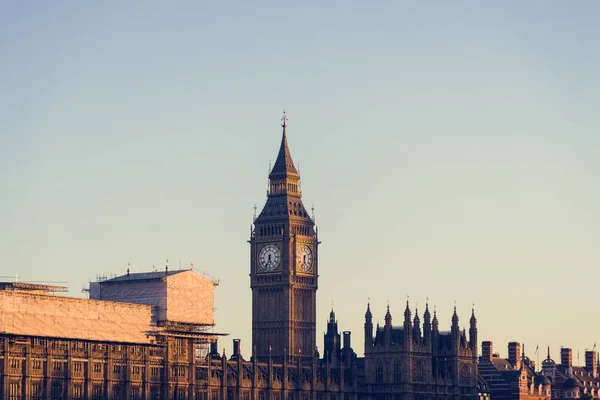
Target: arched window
point(379, 373)
point(397, 371)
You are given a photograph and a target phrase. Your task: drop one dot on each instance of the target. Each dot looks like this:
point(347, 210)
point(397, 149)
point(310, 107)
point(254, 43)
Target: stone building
point(571, 381)
point(514, 377)
point(421, 362)
point(137, 345)
point(146, 335)
point(400, 362)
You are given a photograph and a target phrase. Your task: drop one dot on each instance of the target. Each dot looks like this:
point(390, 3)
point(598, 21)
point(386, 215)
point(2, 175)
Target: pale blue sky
point(450, 150)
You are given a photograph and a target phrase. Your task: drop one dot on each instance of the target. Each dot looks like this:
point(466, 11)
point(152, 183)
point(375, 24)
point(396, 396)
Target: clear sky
point(450, 150)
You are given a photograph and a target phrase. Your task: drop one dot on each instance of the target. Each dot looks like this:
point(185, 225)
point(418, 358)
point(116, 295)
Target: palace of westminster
point(150, 336)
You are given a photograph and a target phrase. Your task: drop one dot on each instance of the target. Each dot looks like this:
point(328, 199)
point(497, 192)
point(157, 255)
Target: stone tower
point(284, 266)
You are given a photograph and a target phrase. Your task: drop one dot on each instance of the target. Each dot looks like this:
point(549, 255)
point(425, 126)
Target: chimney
point(514, 354)
point(214, 352)
point(486, 350)
point(347, 340)
point(591, 362)
point(566, 357)
point(236, 348)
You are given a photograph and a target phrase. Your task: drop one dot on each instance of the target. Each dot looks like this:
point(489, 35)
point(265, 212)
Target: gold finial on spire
point(284, 120)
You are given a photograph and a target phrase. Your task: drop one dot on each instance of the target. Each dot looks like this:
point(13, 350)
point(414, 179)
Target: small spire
point(332, 314)
point(284, 166)
point(427, 315)
point(455, 319)
point(388, 317)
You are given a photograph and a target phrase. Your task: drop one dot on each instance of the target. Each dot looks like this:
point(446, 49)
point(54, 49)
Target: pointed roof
point(407, 312)
point(388, 316)
point(284, 164)
point(427, 315)
point(454, 319)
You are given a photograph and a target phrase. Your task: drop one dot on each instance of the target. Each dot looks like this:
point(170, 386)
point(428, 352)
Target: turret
point(416, 328)
point(388, 327)
point(407, 328)
point(473, 333)
point(388, 317)
point(368, 328)
point(435, 332)
point(332, 339)
point(427, 326)
point(455, 331)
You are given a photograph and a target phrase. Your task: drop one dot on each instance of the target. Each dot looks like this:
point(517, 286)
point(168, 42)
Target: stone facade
point(156, 349)
point(514, 377)
point(284, 267)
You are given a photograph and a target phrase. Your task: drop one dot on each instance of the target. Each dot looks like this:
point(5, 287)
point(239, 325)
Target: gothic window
point(396, 371)
point(179, 346)
point(419, 371)
point(77, 366)
point(14, 390)
point(77, 392)
point(37, 390)
point(15, 363)
point(116, 392)
point(97, 391)
point(56, 391)
point(136, 393)
point(379, 373)
point(97, 367)
point(37, 364)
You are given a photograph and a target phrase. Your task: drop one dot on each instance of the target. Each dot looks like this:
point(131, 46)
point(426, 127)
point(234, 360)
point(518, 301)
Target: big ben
point(284, 266)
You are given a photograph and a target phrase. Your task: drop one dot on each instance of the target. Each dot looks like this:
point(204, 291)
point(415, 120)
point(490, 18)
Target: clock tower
point(284, 266)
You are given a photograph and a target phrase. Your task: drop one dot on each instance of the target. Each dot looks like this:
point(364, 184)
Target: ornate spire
point(455, 319)
point(284, 165)
point(368, 315)
point(417, 327)
point(388, 317)
point(332, 315)
point(473, 319)
point(426, 315)
point(407, 313)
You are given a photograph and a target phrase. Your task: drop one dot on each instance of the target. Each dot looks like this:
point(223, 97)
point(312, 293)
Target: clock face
point(269, 258)
point(305, 259)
